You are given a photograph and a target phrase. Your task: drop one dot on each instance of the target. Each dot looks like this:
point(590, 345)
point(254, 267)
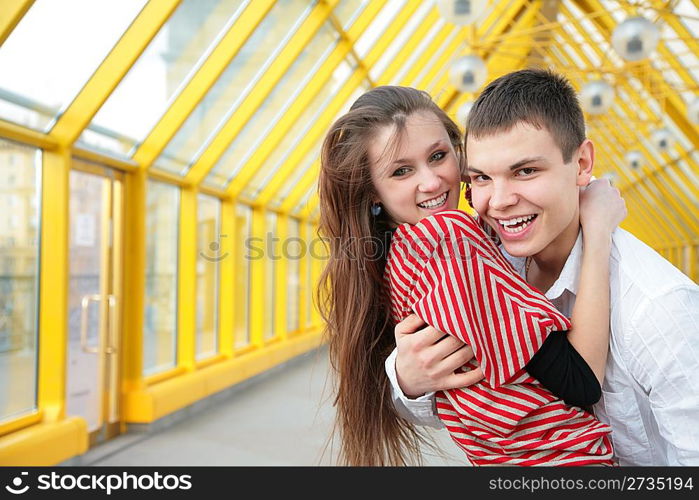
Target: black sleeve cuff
point(561, 369)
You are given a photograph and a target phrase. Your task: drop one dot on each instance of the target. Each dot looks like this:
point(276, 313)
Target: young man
point(527, 159)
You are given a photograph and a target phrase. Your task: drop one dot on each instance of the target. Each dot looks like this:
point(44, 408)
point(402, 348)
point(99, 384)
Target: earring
point(467, 195)
point(375, 209)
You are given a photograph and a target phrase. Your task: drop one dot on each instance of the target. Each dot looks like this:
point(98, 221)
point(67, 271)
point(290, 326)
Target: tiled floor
point(282, 418)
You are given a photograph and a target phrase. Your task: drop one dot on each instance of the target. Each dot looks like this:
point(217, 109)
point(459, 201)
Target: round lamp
point(662, 140)
point(635, 38)
point(461, 12)
point(468, 73)
point(596, 97)
point(634, 159)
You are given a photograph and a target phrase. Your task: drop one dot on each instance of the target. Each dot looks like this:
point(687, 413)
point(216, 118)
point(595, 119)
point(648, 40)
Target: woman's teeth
point(434, 203)
point(518, 224)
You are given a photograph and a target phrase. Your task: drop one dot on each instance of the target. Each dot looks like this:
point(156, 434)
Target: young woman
point(389, 187)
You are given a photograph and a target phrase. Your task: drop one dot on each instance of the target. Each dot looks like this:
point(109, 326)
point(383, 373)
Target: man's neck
point(546, 266)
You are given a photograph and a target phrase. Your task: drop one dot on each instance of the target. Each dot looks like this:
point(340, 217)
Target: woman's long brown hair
point(351, 295)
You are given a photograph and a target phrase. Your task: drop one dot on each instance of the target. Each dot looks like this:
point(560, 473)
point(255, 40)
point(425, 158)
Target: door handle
point(112, 301)
point(83, 323)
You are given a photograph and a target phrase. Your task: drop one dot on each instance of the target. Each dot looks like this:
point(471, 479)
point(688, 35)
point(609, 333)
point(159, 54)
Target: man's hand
point(427, 359)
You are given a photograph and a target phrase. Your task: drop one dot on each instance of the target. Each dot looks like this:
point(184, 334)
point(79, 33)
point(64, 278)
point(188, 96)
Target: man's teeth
point(434, 203)
point(508, 225)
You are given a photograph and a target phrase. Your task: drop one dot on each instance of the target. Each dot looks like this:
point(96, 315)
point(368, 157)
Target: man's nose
point(502, 197)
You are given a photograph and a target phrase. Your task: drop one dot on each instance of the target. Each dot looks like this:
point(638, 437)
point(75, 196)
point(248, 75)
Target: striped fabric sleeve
point(447, 271)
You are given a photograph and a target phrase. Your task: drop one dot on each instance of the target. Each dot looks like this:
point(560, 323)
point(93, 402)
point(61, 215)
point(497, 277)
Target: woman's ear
point(585, 161)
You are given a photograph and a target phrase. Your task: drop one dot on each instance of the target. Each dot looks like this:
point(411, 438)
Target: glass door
point(95, 298)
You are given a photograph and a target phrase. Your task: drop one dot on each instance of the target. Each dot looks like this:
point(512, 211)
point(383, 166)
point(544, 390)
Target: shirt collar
point(570, 274)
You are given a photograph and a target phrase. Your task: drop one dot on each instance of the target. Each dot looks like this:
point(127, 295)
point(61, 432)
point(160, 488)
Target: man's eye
point(479, 178)
point(399, 171)
point(525, 171)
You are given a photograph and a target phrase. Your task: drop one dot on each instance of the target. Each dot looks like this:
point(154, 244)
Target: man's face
point(522, 188)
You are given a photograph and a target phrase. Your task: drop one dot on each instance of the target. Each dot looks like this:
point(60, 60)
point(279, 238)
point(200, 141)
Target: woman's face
point(420, 177)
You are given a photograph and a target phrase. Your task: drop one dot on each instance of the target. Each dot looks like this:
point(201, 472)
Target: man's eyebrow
point(430, 147)
point(514, 166)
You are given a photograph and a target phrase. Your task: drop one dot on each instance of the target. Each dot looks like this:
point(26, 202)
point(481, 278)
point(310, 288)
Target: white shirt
point(650, 394)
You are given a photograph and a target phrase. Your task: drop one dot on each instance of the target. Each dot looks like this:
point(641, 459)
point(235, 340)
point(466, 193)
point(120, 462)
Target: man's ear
point(585, 161)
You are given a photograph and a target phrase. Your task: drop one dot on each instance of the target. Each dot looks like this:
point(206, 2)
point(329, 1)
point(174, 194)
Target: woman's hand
point(601, 208)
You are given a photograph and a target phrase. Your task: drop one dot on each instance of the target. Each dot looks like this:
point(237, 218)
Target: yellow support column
point(53, 286)
point(226, 296)
point(257, 279)
point(282, 281)
point(187, 280)
point(134, 288)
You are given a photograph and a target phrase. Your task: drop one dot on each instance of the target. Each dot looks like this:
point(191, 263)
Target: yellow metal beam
point(673, 103)
point(53, 284)
point(202, 81)
point(11, 14)
point(321, 125)
point(247, 108)
point(115, 66)
point(297, 109)
point(19, 133)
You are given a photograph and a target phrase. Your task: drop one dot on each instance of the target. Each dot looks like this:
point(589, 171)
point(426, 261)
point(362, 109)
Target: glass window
point(272, 257)
point(234, 85)
point(377, 27)
point(173, 56)
point(299, 130)
point(20, 176)
point(347, 11)
point(160, 325)
point(208, 259)
point(45, 60)
point(241, 317)
point(296, 175)
point(293, 251)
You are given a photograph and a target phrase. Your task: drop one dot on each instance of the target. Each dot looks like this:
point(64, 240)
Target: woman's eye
point(399, 171)
point(438, 156)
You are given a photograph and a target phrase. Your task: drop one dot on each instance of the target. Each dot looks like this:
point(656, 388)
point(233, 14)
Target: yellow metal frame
point(11, 14)
point(262, 89)
point(115, 66)
point(202, 81)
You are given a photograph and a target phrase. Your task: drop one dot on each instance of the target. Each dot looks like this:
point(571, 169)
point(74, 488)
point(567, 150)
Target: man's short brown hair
point(538, 97)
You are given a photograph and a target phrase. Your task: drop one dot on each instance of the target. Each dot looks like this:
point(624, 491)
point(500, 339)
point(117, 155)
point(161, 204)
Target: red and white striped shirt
point(449, 272)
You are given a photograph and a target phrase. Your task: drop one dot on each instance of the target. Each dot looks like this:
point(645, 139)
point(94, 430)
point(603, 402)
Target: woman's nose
point(429, 181)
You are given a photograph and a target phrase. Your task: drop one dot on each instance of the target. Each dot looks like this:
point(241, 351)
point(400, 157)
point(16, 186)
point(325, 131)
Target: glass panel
point(208, 259)
point(296, 175)
point(160, 325)
point(347, 11)
point(46, 61)
point(241, 319)
point(439, 27)
point(399, 42)
point(377, 27)
point(20, 176)
point(173, 56)
point(271, 274)
point(234, 85)
point(86, 302)
point(301, 129)
point(293, 250)
point(251, 137)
